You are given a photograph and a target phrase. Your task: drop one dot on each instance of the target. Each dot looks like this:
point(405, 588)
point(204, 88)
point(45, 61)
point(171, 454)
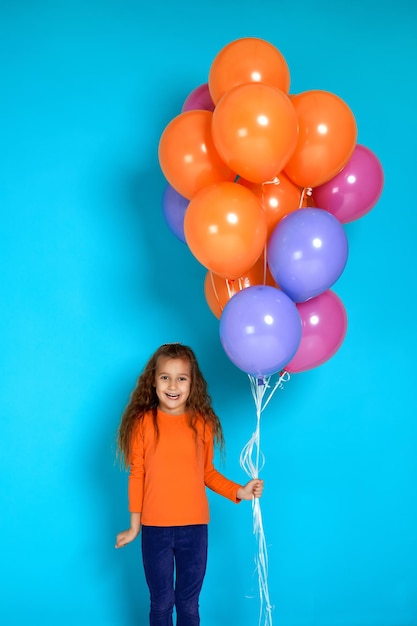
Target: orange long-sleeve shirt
point(168, 477)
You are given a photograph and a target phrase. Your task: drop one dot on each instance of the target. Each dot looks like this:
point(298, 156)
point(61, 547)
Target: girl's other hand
point(252, 489)
point(125, 537)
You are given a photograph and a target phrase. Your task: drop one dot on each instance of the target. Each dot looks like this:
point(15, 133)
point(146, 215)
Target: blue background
point(92, 281)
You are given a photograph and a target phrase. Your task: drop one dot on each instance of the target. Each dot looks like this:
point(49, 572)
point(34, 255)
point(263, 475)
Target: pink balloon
point(355, 190)
point(323, 329)
point(199, 98)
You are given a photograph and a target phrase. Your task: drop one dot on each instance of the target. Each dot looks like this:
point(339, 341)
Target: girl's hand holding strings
point(252, 489)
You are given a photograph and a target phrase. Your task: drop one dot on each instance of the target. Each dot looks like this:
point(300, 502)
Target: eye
point(164, 377)
point(182, 379)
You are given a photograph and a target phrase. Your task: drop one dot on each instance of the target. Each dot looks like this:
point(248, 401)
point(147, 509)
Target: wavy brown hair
point(144, 399)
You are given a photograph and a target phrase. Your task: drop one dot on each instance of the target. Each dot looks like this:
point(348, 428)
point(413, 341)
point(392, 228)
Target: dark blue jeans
point(174, 559)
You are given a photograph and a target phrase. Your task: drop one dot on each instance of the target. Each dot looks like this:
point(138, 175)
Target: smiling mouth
point(173, 396)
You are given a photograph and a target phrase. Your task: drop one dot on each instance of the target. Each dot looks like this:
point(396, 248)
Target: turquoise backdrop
point(92, 281)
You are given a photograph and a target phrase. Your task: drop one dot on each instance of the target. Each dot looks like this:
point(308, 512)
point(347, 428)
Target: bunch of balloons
point(259, 185)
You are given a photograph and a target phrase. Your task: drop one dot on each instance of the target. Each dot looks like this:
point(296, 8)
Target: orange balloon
point(326, 140)
point(278, 198)
point(187, 155)
point(247, 60)
point(225, 228)
point(219, 290)
point(255, 130)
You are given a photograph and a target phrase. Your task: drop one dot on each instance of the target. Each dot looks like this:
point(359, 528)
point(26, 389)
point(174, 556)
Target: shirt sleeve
point(137, 473)
point(213, 479)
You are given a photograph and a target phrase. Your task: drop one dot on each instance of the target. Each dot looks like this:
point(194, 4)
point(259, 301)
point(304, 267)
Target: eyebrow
point(180, 374)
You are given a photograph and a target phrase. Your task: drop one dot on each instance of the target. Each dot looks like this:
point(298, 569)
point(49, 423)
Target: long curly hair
point(144, 399)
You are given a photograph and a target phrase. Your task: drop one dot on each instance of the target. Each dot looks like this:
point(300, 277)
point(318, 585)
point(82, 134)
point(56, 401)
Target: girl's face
point(172, 384)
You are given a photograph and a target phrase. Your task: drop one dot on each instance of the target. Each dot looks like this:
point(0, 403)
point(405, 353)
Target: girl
point(166, 437)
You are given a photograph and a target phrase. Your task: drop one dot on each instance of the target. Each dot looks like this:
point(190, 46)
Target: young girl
point(166, 437)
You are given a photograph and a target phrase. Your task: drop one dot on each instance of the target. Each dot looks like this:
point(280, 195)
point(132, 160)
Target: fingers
point(126, 536)
point(121, 540)
point(257, 488)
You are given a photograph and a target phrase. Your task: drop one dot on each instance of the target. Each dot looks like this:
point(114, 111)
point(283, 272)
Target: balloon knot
point(274, 181)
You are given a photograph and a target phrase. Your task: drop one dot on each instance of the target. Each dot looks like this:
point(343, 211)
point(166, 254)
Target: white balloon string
point(230, 287)
point(306, 192)
point(252, 461)
point(273, 181)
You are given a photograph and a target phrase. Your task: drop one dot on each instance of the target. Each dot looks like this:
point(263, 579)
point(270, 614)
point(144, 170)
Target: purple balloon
point(355, 190)
point(307, 252)
point(199, 99)
point(260, 330)
point(174, 206)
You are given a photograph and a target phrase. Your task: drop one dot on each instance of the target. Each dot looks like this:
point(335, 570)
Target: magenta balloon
point(199, 99)
point(324, 325)
point(260, 330)
point(307, 253)
point(355, 190)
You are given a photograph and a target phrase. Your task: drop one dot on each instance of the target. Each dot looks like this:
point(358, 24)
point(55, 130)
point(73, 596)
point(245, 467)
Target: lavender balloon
point(174, 206)
point(355, 190)
point(260, 330)
point(307, 252)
